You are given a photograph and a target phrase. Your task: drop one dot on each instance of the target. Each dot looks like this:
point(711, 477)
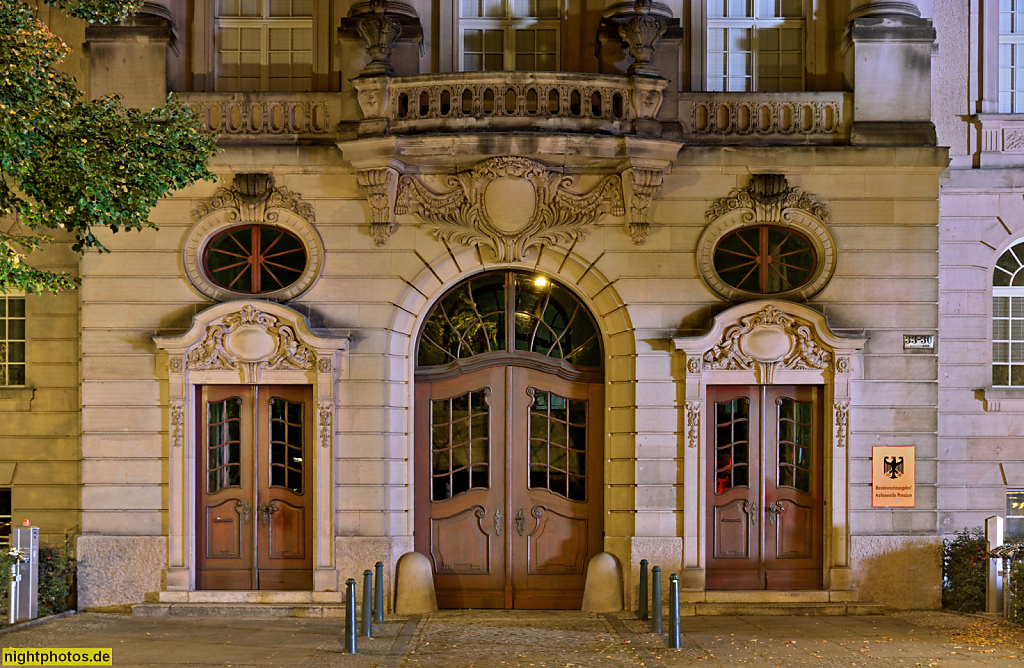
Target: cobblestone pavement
point(539, 639)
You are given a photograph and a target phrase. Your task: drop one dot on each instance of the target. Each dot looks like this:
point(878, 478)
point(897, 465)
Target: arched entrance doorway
point(508, 445)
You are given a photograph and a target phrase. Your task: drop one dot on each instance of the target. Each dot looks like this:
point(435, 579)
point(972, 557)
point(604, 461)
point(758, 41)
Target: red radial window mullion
point(254, 259)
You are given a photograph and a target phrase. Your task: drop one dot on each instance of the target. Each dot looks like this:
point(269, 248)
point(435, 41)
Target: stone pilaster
point(130, 58)
point(888, 58)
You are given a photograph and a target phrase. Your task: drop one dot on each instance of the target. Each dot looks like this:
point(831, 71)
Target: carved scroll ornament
point(644, 185)
point(326, 426)
point(842, 422)
point(768, 336)
point(692, 424)
point(254, 199)
point(767, 199)
point(250, 340)
point(556, 214)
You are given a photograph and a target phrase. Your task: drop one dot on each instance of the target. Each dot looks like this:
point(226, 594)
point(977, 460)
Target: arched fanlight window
point(1008, 318)
point(505, 312)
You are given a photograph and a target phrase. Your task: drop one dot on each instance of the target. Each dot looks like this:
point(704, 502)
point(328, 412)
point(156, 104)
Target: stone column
point(888, 61)
point(130, 58)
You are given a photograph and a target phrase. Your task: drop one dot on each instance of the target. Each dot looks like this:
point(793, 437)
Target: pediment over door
point(761, 339)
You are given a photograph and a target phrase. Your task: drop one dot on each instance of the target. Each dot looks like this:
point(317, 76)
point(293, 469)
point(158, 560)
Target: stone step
point(337, 610)
point(241, 609)
point(733, 609)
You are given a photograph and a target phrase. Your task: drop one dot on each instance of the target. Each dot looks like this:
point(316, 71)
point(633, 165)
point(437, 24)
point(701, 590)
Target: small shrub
point(1016, 612)
point(964, 561)
point(56, 573)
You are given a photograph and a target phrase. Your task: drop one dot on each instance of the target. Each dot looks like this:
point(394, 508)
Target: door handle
point(753, 513)
point(497, 522)
point(267, 508)
point(520, 520)
point(774, 509)
point(245, 509)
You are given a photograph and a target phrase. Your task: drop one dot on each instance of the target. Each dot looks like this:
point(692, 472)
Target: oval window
point(765, 259)
point(255, 259)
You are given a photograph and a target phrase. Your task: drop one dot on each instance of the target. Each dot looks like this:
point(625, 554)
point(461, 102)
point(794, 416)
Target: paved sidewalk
point(498, 638)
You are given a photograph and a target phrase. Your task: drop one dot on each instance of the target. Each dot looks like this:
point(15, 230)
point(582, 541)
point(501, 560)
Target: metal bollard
point(656, 599)
point(378, 593)
point(673, 611)
point(641, 608)
point(350, 616)
point(367, 595)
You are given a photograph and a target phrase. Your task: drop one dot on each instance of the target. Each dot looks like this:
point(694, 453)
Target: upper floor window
point(1008, 318)
point(1011, 56)
point(12, 339)
point(756, 45)
point(509, 35)
point(263, 45)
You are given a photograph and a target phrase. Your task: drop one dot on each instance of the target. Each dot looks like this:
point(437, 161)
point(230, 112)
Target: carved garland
point(287, 351)
point(177, 422)
point(804, 354)
point(326, 428)
point(842, 408)
point(692, 423)
point(460, 214)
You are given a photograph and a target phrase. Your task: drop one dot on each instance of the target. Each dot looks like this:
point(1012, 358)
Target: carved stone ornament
point(640, 33)
point(253, 199)
point(508, 204)
point(693, 364)
point(768, 196)
point(644, 185)
point(842, 420)
point(250, 340)
point(379, 31)
point(692, 424)
point(326, 428)
point(177, 422)
point(324, 365)
point(376, 184)
point(842, 365)
point(768, 336)
point(768, 200)
point(176, 364)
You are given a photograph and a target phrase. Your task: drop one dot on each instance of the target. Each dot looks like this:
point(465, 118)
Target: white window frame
point(1013, 95)
point(5, 297)
point(204, 49)
point(819, 54)
point(508, 24)
point(264, 26)
point(1008, 292)
point(569, 39)
point(756, 25)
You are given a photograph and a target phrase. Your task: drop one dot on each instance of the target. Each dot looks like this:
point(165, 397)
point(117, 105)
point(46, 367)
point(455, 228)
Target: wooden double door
point(765, 493)
point(254, 510)
point(508, 487)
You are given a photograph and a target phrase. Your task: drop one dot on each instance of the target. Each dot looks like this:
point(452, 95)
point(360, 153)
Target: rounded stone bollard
point(414, 585)
point(603, 591)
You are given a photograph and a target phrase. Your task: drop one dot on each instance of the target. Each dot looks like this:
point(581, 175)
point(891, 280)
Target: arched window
point(1008, 318)
point(509, 311)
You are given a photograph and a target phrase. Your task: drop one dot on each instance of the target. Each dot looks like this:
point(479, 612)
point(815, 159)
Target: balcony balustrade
point(766, 118)
point(270, 117)
point(508, 101)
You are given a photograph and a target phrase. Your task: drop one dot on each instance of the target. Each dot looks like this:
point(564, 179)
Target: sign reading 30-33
point(892, 476)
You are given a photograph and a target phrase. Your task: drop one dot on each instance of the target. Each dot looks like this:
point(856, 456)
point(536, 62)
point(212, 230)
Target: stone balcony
point(814, 118)
point(545, 102)
point(267, 117)
point(510, 101)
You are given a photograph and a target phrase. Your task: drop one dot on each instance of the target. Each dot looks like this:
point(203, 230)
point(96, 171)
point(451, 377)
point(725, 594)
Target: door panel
point(765, 471)
point(459, 487)
point(254, 509)
point(510, 512)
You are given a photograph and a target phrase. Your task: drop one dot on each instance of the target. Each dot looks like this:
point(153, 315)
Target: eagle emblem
point(892, 467)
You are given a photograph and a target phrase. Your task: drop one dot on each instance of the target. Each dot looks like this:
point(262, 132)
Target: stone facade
point(366, 177)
